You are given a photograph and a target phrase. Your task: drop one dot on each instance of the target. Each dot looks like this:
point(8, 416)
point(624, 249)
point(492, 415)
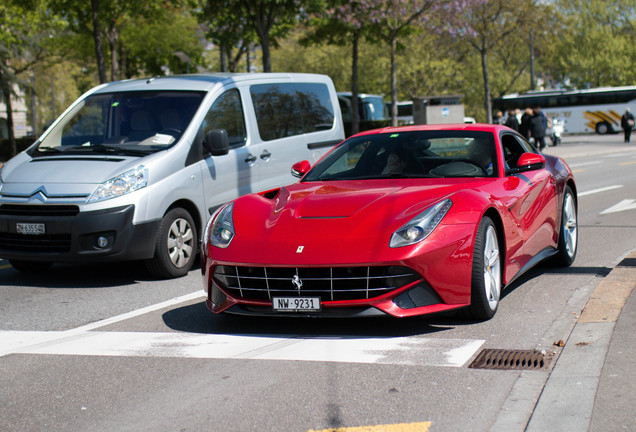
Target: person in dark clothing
point(524, 126)
point(512, 121)
point(627, 123)
point(538, 125)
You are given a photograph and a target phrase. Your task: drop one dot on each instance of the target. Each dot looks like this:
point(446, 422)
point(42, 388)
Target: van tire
point(176, 246)
point(30, 266)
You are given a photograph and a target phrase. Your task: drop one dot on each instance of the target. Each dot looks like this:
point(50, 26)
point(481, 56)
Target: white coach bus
point(594, 110)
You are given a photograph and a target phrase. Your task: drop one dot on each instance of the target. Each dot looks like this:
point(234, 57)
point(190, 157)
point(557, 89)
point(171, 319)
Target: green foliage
point(597, 47)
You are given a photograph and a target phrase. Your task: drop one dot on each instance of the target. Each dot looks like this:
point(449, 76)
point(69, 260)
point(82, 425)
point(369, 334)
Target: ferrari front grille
point(328, 283)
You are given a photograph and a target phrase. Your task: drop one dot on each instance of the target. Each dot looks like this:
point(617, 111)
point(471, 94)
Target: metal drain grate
point(511, 360)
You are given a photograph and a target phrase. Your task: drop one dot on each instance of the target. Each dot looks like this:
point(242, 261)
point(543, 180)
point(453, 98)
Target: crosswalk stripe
point(407, 350)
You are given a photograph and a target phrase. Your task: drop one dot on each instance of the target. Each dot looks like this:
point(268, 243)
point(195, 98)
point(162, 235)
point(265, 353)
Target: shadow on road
point(196, 318)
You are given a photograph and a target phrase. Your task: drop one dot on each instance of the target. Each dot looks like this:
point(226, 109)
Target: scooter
point(558, 127)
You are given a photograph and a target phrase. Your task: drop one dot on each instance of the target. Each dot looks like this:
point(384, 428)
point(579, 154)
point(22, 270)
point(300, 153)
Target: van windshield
point(124, 123)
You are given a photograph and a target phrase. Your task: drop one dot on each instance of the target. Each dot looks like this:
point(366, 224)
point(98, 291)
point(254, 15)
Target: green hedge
point(20, 143)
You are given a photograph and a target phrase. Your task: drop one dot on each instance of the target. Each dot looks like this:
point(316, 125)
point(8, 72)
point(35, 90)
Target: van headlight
point(123, 184)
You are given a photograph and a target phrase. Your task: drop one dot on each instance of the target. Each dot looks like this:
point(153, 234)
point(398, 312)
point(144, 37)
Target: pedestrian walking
point(524, 126)
point(538, 126)
point(627, 123)
point(512, 121)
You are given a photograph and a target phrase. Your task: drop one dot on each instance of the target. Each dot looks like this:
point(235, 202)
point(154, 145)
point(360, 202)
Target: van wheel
point(30, 266)
point(176, 246)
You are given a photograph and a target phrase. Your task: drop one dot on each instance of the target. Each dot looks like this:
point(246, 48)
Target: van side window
point(288, 109)
point(227, 113)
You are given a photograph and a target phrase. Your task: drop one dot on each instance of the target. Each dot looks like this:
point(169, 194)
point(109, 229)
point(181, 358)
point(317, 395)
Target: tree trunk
point(7, 100)
point(267, 60)
point(223, 59)
point(113, 39)
point(97, 38)
point(355, 119)
point(484, 68)
point(394, 121)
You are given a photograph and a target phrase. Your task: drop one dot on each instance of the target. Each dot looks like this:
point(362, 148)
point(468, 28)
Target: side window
point(289, 109)
point(513, 149)
point(227, 113)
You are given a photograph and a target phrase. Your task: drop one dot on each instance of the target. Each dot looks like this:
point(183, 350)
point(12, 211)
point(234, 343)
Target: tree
point(343, 22)
point(398, 17)
point(230, 30)
point(105, 21)
point(270, 19)
point(25, 28)
point(485, 25)
point(597, 47)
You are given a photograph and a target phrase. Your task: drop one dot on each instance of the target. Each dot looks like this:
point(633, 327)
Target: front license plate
point(296, 304)
point(31, 228)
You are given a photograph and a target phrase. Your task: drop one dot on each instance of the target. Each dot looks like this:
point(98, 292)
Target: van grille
point(48, 243)
point(328, 283)
point(38, 210)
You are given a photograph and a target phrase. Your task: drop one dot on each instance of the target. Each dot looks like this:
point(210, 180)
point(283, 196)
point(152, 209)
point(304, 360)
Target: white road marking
point(582, 164)
point(627, 204)
point(411, 350)
point(599, 190)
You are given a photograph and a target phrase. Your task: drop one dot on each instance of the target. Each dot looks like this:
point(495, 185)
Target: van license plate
point(31, 228)
point(296, 304)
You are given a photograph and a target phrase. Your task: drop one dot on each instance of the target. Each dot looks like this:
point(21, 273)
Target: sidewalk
point(593, 384)
point(589, 145)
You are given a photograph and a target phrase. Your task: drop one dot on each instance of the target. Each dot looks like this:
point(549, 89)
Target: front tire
point(569, 232)
point(486, 275)
point(176, 246)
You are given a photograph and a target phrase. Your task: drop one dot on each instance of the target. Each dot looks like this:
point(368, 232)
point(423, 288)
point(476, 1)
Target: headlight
point(123, 184)
point(421, 226)
point(221, 231)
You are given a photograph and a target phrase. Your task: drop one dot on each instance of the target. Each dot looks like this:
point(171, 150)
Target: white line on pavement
point(411, 350)
point(599, 190)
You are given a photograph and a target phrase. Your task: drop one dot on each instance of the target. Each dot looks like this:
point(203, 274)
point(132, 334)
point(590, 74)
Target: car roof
point(202, 81)
point(482, 127)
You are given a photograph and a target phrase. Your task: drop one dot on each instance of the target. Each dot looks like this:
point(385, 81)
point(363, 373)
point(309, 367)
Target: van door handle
point(250, 158)
point(266, 155)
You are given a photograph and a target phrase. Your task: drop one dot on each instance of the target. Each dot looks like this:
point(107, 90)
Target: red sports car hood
point(329, 222)
point(348, 199)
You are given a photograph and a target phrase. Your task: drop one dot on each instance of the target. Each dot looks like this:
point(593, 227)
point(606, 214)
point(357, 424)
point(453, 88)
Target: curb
point(567, 400)
point(564, 398)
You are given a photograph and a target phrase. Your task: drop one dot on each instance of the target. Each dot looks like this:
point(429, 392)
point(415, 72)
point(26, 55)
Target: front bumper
point(72, 236)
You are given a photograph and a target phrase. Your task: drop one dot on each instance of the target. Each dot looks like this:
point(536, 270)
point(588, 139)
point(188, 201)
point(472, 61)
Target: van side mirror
point(299, 169)
point(217, 142)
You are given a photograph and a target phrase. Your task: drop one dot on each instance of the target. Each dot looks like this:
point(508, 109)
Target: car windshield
point(410, 154)
point(125, 123)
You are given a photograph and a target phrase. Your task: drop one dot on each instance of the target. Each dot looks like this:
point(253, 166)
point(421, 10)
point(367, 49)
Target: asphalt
point(592, 385)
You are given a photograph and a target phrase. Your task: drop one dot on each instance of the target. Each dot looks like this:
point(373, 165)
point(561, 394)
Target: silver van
point(133, 169)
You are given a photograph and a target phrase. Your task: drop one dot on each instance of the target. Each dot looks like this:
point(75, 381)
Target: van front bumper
point(73, 236)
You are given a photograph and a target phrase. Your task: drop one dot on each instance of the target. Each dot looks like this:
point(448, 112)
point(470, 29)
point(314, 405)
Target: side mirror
point(529, 162)
point(299, 169)
point(217, 142)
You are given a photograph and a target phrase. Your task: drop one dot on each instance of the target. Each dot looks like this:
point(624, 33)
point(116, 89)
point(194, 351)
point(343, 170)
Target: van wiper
point(47, 149)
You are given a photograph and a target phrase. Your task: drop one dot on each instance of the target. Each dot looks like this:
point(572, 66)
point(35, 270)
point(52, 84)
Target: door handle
point(250, 158)
point(265, 155)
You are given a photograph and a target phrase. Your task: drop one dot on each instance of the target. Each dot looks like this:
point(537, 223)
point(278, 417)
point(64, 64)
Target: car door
point(229, 176)
point(532, 203)
point(295, 122)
